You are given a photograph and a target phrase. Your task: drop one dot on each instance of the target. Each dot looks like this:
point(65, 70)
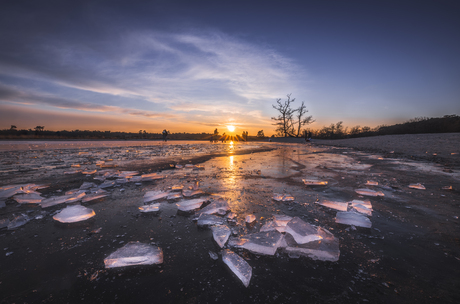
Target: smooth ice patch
point(150, 208)
point(220, 233)
point(134, 253)
point(238, 266)
point(369, 192)
point(341, 206)
point(353, 218)
point(301, 231)
point(72, 214)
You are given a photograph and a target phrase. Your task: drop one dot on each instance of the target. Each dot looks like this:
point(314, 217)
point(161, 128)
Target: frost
point(417, 186)
point(150, 208)
point(353, 218)
point(301, 231)
point(154, 195)
point(220, 234)
point(238, 266)
point(324, 249)
point(134, 253)
point(72, 214)
point(369, 192)
point(341, 206)
point(260, 243)
point(189, 205)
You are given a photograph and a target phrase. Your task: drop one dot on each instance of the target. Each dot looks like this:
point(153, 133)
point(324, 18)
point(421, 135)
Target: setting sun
point(231, 128)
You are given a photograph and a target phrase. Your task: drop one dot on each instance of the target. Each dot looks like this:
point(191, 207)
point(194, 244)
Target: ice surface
point(94, 196)
point(417, 186)
point(189, 205)
point(312, 182)
point(220, 234)
point(28, 198)
point(364, 207)
point(369, 192)
point(72, 214)
point(250, 218)
point(154, 195)
point(341, 206)
point(134, 253)
point(150, 208)
point(55, 200)
point(353, 218)
point(260, 243)
point(18, 221)
point(325, 249)
point(239, 266)
point(209, 219)
point(301, 231)
point(219, 206)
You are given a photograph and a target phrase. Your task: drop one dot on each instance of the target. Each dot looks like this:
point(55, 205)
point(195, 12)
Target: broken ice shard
point(369, 192)
point(18, 221)
point(282, 197)
point(372, 183)
point(55, 200)
point(364, 207)
point(87, 185)
point(150, 208)
point(250, 218)
point(209, 219)
point(94, 196)
point(341, 206)
point(189, 193)
point(417, 186)
point(151, 176)
point(324, 249)
point(220, 234)
point(238, 266)
point(174, 195)
point(189, 205)
point(353, 218)
point(219, 206)
point(89, 172)
point(260, 243)
point(272, 226)
point(28, 198)
point(301, 231)
point(107, 184)
point(134, 253)
point(72, 214)
point(312, 182)
point(154, 195)
point(281, 219)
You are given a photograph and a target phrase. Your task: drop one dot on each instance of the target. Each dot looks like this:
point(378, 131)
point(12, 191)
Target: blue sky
point(192, 66)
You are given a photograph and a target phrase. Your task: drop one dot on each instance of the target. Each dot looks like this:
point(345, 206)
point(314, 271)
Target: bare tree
point(284, 123)
point(302, 121)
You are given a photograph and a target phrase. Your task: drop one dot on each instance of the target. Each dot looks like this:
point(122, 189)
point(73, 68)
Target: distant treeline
point(445, 124)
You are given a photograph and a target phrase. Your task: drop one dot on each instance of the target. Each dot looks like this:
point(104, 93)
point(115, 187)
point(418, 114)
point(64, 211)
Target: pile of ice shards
point(354, 213)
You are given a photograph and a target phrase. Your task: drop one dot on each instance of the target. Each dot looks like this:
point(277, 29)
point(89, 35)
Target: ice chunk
point(107, 184)
point(239, 266)
point(353, 218)
point(369, 192)
point(87, 185)
point(282, 197)
point(94, 196)
point(18, 221)
point(189, 193)
point(341, 206)
point(325, 249)
point(176, 187)
point(220, 234)
point(127, 174)
point(312, 182)
point(151, 176)
point(209, 220)
point(178, 166)
point(89, 172)
point(174, 195)
point(72, 214)
point(154, 195)
point(55, 200)
point(364, 207)
point(447, 188)
point(417, 186)
point(189, 205)
point(301, 231)
point(250, 218)
point(134, 253)
point(219, 206)
point(272, 226)
point(10, 190)
point(281, 219)
point(372, 183)
point(28, 198)
point(260, 243)
point(150, 208)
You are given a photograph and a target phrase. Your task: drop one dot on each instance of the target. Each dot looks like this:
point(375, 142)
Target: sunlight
point(231, 128)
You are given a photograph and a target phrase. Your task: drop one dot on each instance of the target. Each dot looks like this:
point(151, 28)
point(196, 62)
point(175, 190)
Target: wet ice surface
point(291, 236)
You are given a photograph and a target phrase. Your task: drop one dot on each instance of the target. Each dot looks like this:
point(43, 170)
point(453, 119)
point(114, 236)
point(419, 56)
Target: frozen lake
point(258, 222)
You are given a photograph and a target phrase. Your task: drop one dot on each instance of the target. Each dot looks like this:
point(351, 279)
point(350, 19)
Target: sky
point(193, 66)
